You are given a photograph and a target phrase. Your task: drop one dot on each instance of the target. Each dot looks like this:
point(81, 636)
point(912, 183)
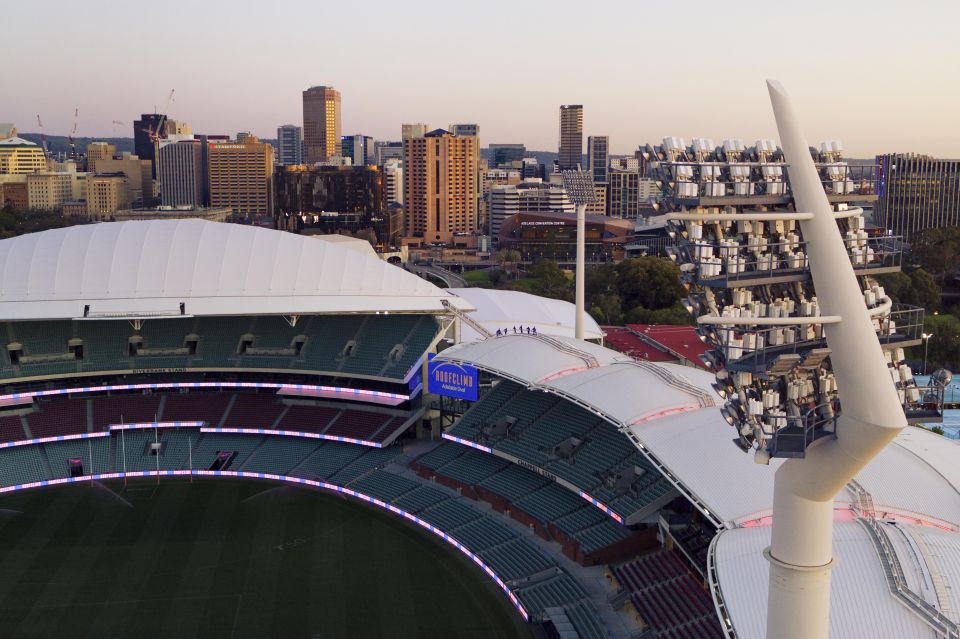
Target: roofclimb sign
point(452, 380)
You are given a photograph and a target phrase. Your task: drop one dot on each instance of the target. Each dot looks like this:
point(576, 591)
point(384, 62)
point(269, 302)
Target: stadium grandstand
point(597, 492)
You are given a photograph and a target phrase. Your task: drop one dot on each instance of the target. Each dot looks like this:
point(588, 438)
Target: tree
point(943, 348)
point(650, 282)
point(917, 288)
point(550, 281)
point(937, 250)
point(606, 308)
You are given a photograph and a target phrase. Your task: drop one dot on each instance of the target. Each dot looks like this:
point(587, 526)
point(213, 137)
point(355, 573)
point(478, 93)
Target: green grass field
point(231, 558)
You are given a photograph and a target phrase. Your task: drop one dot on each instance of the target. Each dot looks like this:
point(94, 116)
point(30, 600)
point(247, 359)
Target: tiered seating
point(358, 424)
point(59, 455)
point(205, 453)
point(668, 597)
point(327, 459)
point(695, 539)
point(125, 409)
point(556, 591)
point(165, 345)
point(516, 559)
point(21, 465)
point(585, 620)
point(278, 455)
point(420, 499)
point(529, 492)
point(497, 398)
point(58, 417)
point(373, 458)
point(11, 429)
point(543, 422)
point(385, 486)
point(192, 407)
point(253, 410)
point(450, 514)
point(308, 419)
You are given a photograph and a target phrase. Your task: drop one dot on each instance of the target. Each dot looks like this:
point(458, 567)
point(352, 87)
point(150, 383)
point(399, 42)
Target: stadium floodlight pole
point(579, 187)
point(801, 541)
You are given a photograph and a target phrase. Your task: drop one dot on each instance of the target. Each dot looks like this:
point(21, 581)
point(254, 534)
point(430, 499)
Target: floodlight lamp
point(579, 187)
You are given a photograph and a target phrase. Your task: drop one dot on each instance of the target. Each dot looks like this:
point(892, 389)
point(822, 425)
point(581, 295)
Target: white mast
point(801, 551)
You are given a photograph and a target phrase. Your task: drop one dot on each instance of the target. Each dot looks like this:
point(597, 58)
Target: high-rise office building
point(499, 155)
point(571, 136)
point(97, 151)
point(49, 190)
point(241, 175)
point(627, 192)
point(359, 148)
point(393, 181)
point(598, 154)
point(107, 193)
point(387, 151)
point(136, 171)
point(321, 124)
point(440, 185)
point(19, 156)
point(916, 192)
point(180, 171)
point(289, 145)
point(410, 131)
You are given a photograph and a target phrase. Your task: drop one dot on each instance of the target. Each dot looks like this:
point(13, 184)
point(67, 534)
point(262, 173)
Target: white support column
point(801, 547)
point(581, 261)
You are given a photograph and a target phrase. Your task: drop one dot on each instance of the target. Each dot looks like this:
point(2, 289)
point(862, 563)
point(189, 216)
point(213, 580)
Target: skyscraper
point(571, 136)
point(598, 152)
point(393, 181)
point(321, 124)
point(289, 145)
point(179, 171)
point(440, 185)
point(501, 154)
point(241, 176)
point(916, 192)
point(359, 148)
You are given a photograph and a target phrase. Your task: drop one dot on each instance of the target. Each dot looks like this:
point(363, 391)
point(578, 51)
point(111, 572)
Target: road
point(451, 279)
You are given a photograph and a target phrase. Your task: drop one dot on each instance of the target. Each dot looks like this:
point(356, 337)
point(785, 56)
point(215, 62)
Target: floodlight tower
point(800, 552)
point(579, 187)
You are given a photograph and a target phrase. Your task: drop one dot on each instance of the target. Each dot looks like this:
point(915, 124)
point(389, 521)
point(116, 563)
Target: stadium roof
point(694, 446)
point(150, 268)
point(505, 310)
point(861, 602)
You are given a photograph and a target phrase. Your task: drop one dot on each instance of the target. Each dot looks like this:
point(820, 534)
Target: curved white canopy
point(504, 310)
point(142, 268)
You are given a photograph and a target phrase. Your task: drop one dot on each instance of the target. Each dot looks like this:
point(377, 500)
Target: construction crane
point(155, 134)
point(43, 136)
point(117, 123)
point(73, 132)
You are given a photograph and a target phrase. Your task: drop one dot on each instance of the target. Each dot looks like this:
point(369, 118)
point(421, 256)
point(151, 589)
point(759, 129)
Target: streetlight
point(579, 187)
point(926, 347)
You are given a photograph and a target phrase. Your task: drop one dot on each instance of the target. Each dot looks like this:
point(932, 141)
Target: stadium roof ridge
point(504, 310)
point(195, 267)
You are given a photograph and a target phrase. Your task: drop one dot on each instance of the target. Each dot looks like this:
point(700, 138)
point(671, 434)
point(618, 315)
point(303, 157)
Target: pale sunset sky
point(879, 76)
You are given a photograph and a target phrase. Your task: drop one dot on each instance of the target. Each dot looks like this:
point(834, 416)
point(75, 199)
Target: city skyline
point(229, 77)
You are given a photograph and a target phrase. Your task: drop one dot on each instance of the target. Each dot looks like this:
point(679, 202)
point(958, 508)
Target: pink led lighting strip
point(293, 480)
point(55, 438)
point(356, 394)
point(144, 425)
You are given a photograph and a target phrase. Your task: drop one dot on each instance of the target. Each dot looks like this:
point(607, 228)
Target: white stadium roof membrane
point(506, 310)
point(148, 268)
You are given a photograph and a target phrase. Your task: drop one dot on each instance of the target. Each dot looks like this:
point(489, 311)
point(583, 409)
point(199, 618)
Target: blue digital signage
point(452, 380)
